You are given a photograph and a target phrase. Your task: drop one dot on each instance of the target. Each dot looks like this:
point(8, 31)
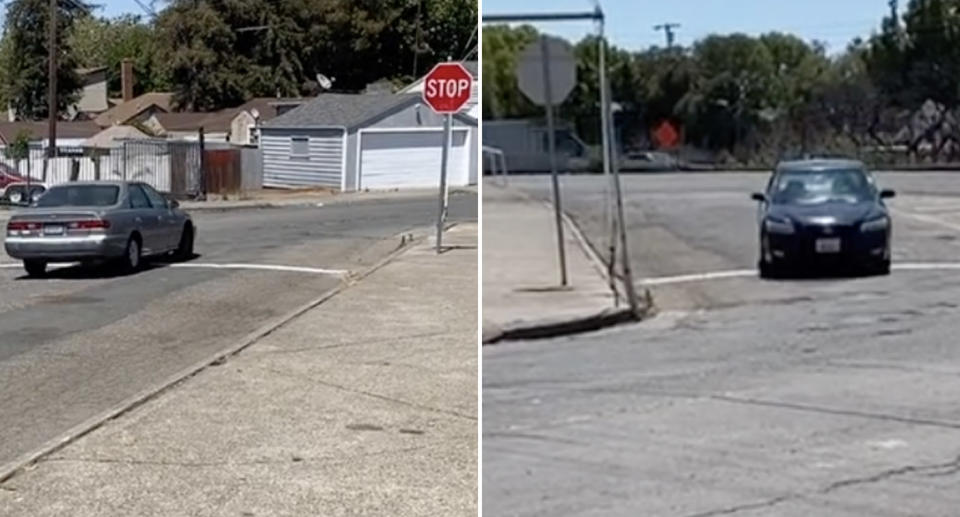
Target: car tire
point(882, 268)
point(770, 270)
point(185, 248)
point(35, 268)
point(132, 258)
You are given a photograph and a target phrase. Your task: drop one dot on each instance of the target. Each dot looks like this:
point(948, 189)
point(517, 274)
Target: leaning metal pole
point(631, 290)
point(608, 220)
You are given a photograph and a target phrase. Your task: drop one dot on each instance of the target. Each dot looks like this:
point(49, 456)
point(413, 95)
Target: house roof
point(267, 106)
point(107, 138)
point(220, 120)
point(184, 121)
point(90, 70)
point(341, 110)
point(39, 130)
point(123, 112)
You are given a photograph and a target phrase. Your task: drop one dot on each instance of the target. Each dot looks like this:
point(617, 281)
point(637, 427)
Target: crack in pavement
point(950, 467)
point(374, 395)
point(840, 412)
point(205, 464)
point(390, 339)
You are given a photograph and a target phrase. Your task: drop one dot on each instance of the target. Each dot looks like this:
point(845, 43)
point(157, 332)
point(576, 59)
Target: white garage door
point(411, 158)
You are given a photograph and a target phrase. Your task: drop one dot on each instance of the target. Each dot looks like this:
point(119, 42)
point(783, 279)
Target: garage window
point(300, 147)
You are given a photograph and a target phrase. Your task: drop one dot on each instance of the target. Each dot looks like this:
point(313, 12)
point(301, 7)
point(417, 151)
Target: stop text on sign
point(447, 88)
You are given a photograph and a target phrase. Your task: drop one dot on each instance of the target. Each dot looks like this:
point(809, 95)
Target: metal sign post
point(546, 74)
point(441, 220)
point(446, 89)
point(552, 146)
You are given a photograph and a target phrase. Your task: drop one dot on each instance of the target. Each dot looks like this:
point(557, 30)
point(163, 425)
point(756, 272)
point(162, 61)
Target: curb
point(226, 206)
point(30, 459)
point(555, 328)
point(559, 328)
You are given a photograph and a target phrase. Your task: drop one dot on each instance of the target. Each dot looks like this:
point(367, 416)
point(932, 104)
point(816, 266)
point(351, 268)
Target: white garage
point(366, 142)
point(411, 158)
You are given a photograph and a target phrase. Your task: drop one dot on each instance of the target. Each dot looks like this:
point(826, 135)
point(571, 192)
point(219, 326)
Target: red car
point(8, 176)
point(15, 189)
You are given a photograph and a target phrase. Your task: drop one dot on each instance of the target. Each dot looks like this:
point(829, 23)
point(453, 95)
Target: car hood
point(833, 213)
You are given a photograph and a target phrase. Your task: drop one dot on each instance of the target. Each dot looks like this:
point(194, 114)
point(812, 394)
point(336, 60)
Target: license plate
point(53, 229)
point(828, 245)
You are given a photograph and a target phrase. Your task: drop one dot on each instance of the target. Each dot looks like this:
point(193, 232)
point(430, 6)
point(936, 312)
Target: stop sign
point(447, 87)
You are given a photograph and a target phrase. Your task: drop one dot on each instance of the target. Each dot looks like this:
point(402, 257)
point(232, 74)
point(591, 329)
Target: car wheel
point(35, 268)
point(769, 270)
point(133, 256)
point(14, 196)
point(185, 248)
point(882, 268)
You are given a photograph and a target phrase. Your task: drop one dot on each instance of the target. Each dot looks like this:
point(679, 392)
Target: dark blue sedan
point(818, 213)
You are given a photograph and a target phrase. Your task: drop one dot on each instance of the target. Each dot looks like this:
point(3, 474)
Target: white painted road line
point(698, 277)
point(752, 273)
point(252, 267)
point(264, 267)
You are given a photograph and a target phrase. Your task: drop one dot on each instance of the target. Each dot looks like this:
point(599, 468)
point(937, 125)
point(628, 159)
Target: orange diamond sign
point(666, 135)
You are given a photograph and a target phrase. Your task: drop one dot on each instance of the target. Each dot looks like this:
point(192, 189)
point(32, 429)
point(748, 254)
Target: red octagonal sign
point(447, 87)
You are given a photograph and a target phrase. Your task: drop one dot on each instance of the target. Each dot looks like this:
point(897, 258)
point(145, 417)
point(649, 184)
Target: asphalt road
point(77, 343)
point(823, 396)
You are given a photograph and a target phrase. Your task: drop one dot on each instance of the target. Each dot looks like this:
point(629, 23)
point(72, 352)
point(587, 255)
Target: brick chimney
point(126, 79)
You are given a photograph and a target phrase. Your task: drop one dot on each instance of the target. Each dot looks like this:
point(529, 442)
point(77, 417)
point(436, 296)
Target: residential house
point(136, 110)
point(375, 141)
point(93, 96)
point(237, 125)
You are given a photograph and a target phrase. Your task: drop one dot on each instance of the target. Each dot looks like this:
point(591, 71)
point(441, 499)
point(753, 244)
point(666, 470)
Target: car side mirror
point(756, 196)
point(173, 203)
point(887, 194)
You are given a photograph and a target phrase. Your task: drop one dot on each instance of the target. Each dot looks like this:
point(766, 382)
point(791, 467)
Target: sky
point(630, 22)
point(107, 7)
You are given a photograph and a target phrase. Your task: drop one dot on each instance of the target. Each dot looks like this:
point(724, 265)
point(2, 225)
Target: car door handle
point(139, 220)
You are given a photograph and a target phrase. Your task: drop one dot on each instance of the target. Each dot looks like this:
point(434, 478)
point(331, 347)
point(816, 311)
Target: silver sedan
point(88, 222)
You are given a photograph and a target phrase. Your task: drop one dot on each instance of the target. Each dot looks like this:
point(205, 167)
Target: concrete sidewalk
point(364, 405)
point(521, 275)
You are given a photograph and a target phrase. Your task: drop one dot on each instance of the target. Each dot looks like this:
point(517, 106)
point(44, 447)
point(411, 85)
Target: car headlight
point(780, 226)
point(875, 225)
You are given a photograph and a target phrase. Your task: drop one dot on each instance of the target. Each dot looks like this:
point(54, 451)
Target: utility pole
point(52, 100)
point(416, 41)
point(667, 29)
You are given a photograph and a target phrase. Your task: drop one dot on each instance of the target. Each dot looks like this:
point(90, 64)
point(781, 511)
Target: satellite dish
point(325, 82)
point(255, 112)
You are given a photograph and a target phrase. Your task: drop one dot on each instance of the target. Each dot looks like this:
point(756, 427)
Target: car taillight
point(15, 228)
point(22, 225)
point(95, 224)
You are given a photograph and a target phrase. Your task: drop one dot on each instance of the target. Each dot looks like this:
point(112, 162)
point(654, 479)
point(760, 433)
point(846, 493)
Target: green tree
point(501, 47)
point(221, 52)
point(107, 42)
point(25, 57)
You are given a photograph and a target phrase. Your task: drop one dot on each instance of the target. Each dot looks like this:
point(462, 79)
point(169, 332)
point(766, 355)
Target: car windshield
point(80, 195)
point(813, 187)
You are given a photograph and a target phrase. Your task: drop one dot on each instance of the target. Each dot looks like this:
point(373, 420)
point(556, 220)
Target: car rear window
point(80, 195)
